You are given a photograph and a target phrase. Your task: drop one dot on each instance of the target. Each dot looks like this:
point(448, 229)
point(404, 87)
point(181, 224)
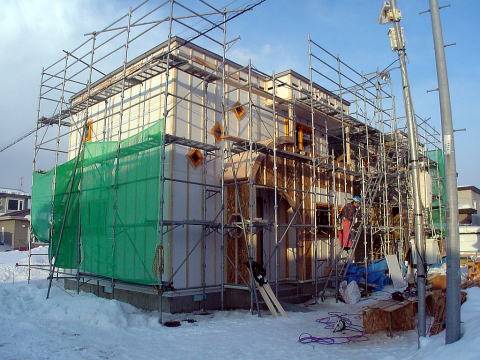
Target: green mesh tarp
point(65, 192)
point(437, 172)
point(41, 206)
point(110, 226)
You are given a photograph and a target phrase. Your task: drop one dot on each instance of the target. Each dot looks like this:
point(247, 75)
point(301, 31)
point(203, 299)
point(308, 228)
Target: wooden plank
point(267, 300)
point(274, 299)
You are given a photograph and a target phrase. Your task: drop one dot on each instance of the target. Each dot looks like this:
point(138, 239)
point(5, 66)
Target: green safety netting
point(108, 207)
point(437, 172)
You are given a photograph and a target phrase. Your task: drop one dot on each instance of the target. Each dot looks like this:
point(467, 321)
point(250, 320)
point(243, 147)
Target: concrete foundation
point(186, 301)
point(149, 301)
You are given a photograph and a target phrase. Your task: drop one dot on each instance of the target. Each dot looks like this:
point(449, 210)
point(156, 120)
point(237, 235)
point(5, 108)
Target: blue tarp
point(443, 260)
point(376, 273)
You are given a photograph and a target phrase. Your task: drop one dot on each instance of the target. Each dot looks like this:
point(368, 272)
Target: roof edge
point(469, 187)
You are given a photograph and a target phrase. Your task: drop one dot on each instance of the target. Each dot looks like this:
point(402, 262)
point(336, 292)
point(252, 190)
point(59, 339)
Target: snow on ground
point(71, 326)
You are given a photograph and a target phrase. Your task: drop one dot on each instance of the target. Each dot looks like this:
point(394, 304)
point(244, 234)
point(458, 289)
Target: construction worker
point(347, 216)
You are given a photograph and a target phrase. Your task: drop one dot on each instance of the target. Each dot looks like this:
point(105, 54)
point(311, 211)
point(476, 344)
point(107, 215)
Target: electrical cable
point(337, 322)
point(18, 139)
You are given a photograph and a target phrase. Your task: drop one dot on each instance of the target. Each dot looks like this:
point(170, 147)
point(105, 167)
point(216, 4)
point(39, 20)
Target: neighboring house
point(14, 219)
point(13, 200)
point(14, 229)
point(469, 219)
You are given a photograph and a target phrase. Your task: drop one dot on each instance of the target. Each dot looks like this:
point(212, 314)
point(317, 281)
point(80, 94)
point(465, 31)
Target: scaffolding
point(376, 142)
point(271, 159)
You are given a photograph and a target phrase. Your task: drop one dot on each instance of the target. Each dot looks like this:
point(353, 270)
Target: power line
point(18, 139)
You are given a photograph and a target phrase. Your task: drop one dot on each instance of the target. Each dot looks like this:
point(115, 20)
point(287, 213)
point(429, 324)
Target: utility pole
point(452, 320)
point(390, 14)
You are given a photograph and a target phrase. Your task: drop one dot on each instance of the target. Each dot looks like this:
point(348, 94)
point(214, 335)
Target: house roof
point(469, 187)
point(16, 215)
point(469, 229)
point(305, 79)
point(181, 42)
point(468, 210)
point(7, 191)
point(175, 39)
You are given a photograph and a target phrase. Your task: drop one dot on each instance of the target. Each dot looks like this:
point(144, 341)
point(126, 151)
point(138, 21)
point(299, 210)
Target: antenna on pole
point(390, 14)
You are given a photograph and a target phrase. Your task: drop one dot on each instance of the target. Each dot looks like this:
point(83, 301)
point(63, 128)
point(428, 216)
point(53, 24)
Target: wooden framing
point(296, 193)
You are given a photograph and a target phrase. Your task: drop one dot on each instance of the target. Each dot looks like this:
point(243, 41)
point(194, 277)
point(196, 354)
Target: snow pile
point(434, 348)
point(9, 272)
point(81, 326)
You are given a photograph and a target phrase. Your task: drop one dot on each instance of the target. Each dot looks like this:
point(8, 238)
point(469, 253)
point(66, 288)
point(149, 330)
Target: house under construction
point(164, 179)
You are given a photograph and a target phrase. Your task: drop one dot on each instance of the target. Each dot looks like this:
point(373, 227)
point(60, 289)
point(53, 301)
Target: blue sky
point(34, 32)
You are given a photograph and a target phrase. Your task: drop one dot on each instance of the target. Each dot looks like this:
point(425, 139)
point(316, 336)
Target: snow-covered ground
point(69, 326)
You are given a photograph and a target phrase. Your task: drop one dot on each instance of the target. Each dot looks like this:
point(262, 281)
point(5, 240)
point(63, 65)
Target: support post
point(398, 46)
point(313, 196)
point(275, 180)
point(222, 159)
point(452, 320)
point(161, 212)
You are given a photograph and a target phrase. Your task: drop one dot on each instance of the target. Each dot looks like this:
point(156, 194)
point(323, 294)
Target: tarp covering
point(437, 171)
point(108, 206)
point(42, 210)
point(375, 273)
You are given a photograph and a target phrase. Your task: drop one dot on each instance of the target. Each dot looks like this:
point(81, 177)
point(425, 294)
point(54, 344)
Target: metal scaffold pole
point(117, 170)
point(54, 255)
point(314, 173)
point(222, 160)
point(161, 210)
point(204, 203)
point(390, 13)
point(275, 179)
point(252, 191)
point(365, 242)
point(37, 126)
point(452, 321)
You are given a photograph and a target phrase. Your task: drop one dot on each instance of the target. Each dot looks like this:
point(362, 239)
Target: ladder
point(342, 263)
